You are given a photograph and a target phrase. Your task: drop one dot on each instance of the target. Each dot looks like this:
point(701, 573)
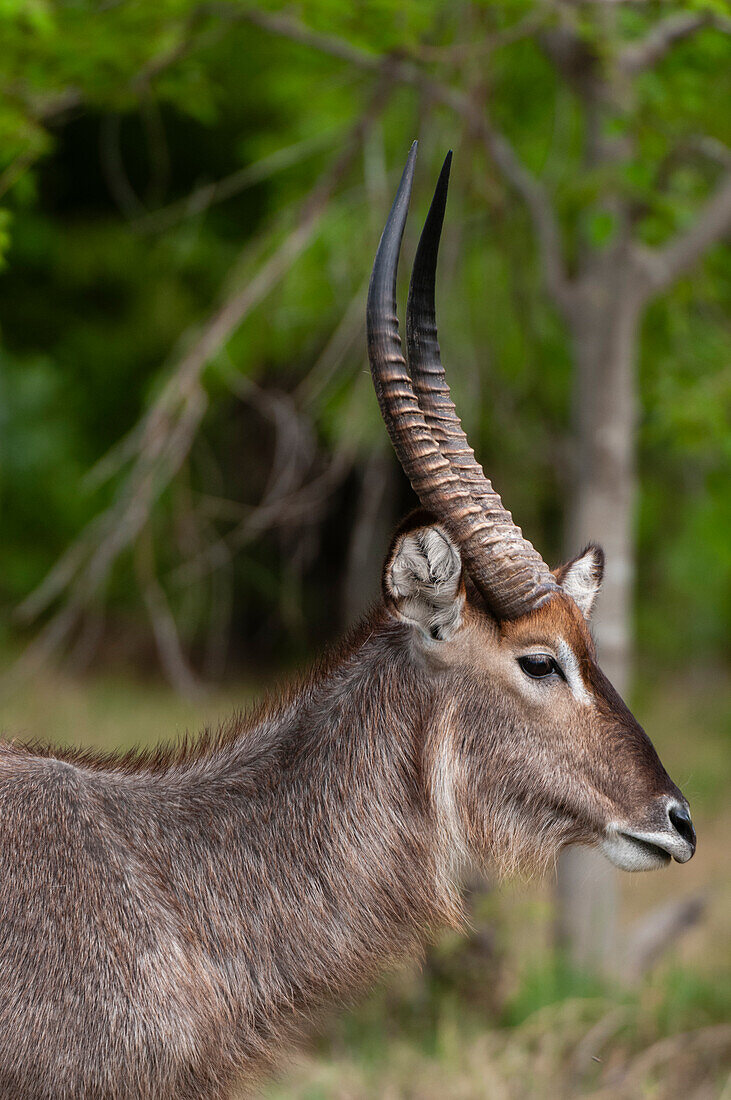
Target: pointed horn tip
point(394, 227)
point(406, 181)
point(439, 201)
point(407, 176)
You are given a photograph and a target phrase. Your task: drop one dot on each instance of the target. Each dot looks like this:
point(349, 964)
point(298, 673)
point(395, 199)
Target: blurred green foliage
point(113, 115)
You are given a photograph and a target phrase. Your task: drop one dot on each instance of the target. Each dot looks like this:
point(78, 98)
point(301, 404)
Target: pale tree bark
point(604, 324)
point(611, 291)
point(604, 332)
point(602, 321)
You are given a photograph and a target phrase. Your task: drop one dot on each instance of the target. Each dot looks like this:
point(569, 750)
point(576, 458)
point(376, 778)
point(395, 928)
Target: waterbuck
point(168, 919)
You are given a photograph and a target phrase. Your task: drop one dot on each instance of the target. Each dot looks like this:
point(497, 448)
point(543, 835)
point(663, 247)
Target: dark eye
point(538, 666)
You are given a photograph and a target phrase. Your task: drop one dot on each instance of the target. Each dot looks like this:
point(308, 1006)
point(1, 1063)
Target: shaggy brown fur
point(168, 919)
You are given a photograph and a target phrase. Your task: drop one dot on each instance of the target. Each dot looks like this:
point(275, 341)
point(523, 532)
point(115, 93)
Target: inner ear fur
point(422, 578)
point(581, 578)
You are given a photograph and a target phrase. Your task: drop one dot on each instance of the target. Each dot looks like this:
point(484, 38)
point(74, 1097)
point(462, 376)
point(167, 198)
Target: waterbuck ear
point(422, 578)
point(581, 578)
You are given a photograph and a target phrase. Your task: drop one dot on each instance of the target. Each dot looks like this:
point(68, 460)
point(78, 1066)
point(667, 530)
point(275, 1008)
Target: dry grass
point(577, 1048)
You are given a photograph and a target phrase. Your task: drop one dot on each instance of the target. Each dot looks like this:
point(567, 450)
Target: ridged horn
point(514, 576)
point(425, 430)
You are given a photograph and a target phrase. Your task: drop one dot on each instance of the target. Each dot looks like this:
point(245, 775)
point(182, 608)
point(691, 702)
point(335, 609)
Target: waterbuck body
point(165, 922)
point(168, 920)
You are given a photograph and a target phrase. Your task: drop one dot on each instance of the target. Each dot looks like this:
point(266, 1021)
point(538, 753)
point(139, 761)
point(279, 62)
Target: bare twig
point(710, 148)
point(118, 455)
point(704, 1043)
point(596, 1038)
point(51, 108)
point(208, 194)
point(294, 440)
point(90, 634)
point(662, 266)
point(499, 148)
point(536, 199)
point(695, 148)
point(659, 930)
point(330, 44)
point(460, 52)
point(118, 182)
point(331, 358)
point(648, 51)
point(163, 624)
point(165, 435)
point(220, 603)
point(14, 171)
point(158, 65)
point(303, 503)
point(157, 144)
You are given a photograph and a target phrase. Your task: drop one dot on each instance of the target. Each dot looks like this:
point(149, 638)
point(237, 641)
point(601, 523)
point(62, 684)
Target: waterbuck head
point(534, 749)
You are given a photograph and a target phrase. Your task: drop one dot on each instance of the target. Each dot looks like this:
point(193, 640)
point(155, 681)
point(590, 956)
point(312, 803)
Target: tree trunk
point(604, 331)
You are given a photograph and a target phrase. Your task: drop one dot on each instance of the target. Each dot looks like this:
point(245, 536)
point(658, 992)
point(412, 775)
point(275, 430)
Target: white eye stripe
point(570, 667)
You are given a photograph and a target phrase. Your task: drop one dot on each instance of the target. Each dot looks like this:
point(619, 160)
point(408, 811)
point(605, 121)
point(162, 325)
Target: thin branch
point(231, 313)
point(163, 624)
point(528, 186)
point(699, 147)
point(331, 358)
point(294, 438)
point(167, 640)
point(14, 171)
point(702, 1044)
point(460, 52)
point(659, 930)
point(207, 194)
point(113, 460)
point(286, 27)
point(115, 173)
point(86, 644)
point(167, 431)
point(657, 43)
point(376, 485)
point(60, 575)
point(662, 266)
point(534, 195)
point(51, 109)
point(303, 504)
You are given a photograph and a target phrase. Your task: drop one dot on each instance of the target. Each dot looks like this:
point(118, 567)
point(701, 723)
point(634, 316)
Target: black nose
point(680, 821)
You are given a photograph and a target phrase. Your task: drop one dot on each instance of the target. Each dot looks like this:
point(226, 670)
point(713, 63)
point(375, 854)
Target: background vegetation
point(190, 196)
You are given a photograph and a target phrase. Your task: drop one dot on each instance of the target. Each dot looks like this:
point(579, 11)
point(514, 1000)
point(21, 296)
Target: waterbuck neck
point(291, 859)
